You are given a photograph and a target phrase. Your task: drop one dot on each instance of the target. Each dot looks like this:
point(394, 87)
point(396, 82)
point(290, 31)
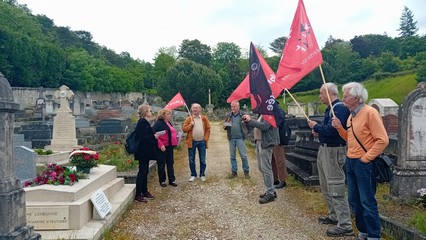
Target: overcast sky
point(141, 27)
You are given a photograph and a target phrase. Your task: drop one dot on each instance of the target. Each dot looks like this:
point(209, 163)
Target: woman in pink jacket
point(166, 143)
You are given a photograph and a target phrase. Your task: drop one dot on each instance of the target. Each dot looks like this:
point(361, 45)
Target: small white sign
point(101, 203)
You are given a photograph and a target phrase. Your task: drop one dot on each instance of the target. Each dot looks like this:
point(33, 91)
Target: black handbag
point(383, 165)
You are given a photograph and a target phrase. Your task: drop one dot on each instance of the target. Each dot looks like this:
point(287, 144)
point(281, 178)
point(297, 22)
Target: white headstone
point(64, 136)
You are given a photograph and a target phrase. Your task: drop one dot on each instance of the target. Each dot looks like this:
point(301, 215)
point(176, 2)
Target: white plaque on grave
point(101, 204)
point(45, 218)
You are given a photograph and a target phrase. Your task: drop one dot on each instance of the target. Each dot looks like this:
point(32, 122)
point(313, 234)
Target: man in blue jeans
point(237, 133)
point(197, 129)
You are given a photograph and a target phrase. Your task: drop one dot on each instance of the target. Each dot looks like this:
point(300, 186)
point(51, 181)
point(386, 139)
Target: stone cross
point(64, 94)
point(13, 221)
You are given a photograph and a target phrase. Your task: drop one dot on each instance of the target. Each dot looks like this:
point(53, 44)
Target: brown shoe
point(140, 199)
point(148, 196)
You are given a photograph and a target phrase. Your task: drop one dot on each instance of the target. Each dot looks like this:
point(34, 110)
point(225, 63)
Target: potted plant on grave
point(84, 159)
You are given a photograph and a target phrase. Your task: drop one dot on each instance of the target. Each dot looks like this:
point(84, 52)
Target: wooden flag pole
point(326, 90)
point(189, 112)
point(297, 104)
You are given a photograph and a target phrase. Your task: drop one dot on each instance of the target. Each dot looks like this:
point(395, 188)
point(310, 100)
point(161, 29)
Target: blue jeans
point(201, 145)
point(361, 190)
point(239, 144)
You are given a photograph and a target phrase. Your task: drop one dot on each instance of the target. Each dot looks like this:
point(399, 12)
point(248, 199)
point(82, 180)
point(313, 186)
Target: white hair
point(356, 90)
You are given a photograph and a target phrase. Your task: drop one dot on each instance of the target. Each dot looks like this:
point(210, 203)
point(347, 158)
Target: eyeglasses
point(347, 97)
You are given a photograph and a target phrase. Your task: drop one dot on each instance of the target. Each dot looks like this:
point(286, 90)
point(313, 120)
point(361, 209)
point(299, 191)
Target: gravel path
point(219, 208)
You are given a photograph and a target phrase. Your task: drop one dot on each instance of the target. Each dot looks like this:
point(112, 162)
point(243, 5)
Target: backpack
point(285, 133)
point(132, 143)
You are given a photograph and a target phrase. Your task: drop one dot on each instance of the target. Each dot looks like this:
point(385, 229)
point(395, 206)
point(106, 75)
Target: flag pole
point(326, 90)
point(189, 111)
point(297, 103)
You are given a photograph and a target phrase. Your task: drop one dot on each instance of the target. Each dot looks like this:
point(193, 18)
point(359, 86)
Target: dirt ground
point(219, 208)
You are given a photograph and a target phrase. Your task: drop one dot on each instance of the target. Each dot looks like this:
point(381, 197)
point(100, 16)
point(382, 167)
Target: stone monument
point(64, 134)
point(13, 222)
point(210, 106)
point(410, 174)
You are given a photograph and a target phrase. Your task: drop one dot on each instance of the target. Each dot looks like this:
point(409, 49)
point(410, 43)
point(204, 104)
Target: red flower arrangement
point(54, 174)
point(84, 158)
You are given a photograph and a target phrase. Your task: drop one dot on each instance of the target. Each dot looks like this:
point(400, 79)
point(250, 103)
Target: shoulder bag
point(383, 165)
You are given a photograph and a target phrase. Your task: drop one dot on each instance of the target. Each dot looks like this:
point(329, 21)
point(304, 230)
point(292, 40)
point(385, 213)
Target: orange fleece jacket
point(369, 130)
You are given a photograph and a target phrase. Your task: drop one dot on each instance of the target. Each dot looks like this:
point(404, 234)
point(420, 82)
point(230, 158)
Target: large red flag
point(176, 101)
point(301, 52)
point(242, 91)
point(262, 100)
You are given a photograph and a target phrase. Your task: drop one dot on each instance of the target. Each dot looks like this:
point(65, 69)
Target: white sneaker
point(203, 178)
point(192, 179)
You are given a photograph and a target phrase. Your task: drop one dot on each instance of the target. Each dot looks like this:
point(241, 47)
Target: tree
point(225, 53)
point(162, 62)
point(171, 51)
point(388, 62)
point(373, 44)
point(193, 81)
point(407, 26)
point(195, 51)
point(277, 46)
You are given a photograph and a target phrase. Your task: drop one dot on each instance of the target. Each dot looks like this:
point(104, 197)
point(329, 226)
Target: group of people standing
point(157, 142)
point(348, 127)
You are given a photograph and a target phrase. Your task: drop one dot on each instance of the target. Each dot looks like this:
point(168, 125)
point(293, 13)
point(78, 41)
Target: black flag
point(262, 100)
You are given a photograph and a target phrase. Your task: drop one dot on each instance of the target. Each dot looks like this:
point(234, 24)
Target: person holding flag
point(266, 132)
point(330, 163)
point(197, 129)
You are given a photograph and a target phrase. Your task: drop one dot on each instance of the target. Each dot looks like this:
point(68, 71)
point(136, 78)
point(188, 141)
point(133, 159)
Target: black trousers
point(166, 159)
point(142, 178)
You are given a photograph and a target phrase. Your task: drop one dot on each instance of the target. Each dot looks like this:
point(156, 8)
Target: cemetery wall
point(27, 97)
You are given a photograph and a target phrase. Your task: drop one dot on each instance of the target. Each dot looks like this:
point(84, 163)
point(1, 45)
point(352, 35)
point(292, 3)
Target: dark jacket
point(161, 125)
point(242, 124)
point(327, 133)
point(147, 142)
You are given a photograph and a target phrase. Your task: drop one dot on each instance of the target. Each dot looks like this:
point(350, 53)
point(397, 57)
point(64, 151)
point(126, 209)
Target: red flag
point(242, 91)
point(262, 100)
point(301, 52)
point(176, 101)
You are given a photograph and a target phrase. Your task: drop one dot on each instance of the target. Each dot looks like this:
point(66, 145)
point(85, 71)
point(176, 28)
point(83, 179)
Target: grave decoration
point(54, 174)
point(84, 159)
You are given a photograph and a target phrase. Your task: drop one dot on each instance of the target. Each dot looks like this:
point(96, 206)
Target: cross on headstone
point(64, 94)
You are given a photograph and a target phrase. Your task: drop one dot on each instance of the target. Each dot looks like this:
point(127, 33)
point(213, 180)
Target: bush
point(114, 154)
point(43, 151)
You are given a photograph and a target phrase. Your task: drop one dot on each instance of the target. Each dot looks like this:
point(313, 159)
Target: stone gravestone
point(388, 109)
point(295, 110)
point(410, 174)
point(40, 106)
point(64, 135)
point(38, 133)
point(25, 163)
point(13, 222)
